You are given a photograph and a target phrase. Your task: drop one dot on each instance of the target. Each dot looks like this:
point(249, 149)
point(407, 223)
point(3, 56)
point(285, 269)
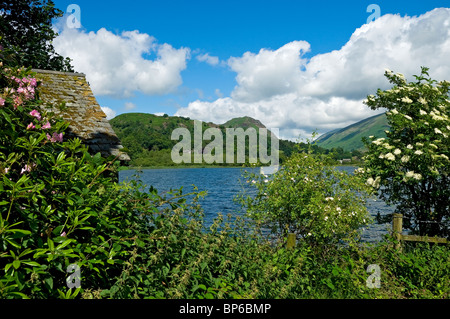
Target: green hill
point(244, 122)
point(350, 138)
point(147, 137)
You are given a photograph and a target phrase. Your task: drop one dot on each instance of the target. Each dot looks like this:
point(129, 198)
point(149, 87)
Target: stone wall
point(86, 119)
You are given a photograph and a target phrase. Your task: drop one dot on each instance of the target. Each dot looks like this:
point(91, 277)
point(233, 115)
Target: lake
point(223, 184)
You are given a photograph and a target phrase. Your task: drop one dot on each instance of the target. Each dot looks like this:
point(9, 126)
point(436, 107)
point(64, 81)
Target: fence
point(397, 229)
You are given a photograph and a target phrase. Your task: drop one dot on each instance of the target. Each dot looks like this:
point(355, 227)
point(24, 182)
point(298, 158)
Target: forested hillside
point(147, 137)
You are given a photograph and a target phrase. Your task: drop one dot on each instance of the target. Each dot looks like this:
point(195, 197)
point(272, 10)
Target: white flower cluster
point(412, 175)
point(374, 182)
point(387, 146)
point(405, 159)
point(370, 98)
point(406, 99)
point(378, 141)
point(422, 101)
point(388, 156)
point(437, 116)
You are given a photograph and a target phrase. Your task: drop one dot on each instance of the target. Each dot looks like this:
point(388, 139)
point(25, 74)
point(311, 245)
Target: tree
point(26, 32)
point(410, 167)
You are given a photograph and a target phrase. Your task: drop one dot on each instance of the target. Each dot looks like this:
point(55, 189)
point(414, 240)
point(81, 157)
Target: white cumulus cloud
point(110, 113)
point(269, 72)
point(129, 105)
point(211, 60)
point(285, 90)
point(118, 64)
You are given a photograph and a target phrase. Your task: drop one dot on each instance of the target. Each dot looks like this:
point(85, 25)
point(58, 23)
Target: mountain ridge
point(350, 137)
point(147, 137)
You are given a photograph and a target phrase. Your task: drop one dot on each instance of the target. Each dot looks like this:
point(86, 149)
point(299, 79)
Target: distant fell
point(350, 138)
point(244, 122)
point(147, 137)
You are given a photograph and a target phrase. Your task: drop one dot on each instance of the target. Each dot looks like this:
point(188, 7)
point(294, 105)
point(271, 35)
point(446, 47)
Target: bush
point(317, 202)
point(410, 167)
point(60, 206)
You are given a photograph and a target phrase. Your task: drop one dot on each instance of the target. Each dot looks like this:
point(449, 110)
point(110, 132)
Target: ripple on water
point(223, 184)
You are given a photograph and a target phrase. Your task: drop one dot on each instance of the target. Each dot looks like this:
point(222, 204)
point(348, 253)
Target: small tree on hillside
point(410, 167)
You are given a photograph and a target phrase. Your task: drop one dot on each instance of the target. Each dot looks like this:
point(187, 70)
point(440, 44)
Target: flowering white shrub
point(317, 202)
point(415, 175)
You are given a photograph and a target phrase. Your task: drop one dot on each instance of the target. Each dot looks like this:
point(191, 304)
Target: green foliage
point(26, 31)
point(410, 167)
point(317, 202)
point(60, 207)
point(147, 138)
point(55, 201)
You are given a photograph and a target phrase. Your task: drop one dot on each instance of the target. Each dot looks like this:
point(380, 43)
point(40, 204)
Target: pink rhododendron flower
point(30, 126)
point(2, 101)
point(9, 91)
point(30, 89)
point(25, 89)
point(58, 137)
point(16, 79)
point(36, 114)
point(46, 125)
point(27, 168)
point(17, 102)
point(55, 137)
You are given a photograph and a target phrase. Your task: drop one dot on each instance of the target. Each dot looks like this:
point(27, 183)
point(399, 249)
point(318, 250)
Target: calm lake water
point(223, 184)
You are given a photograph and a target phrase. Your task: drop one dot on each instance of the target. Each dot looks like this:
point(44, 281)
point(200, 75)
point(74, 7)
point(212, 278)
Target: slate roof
point(86, 119)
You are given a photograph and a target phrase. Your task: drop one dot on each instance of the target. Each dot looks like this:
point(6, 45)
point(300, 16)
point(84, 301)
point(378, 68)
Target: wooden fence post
point(397, 225)
point(290, 241)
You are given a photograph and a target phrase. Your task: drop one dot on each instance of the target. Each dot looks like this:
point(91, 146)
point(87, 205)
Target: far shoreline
point(136, 168)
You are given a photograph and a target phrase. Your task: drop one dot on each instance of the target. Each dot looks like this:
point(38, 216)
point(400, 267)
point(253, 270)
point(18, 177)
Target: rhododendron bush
point(43, 212)
point(60, 207)
point(410, 167)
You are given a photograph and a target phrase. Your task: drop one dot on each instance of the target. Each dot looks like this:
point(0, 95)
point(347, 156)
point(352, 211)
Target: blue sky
point(215, 49)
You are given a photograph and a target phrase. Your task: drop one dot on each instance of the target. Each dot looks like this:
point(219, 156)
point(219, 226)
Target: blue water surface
point(224, 184)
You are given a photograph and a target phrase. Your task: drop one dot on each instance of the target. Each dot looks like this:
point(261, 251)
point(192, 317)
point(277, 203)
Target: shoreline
point(123, 168)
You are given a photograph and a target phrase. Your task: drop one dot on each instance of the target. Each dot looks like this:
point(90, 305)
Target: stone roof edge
point(58, 72)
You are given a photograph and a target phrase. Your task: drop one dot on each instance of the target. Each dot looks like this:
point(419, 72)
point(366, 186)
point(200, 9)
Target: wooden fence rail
point(290, 244)
point(397, 229)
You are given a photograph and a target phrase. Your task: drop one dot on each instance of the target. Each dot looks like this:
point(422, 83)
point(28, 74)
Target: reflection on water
point(223, 184)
